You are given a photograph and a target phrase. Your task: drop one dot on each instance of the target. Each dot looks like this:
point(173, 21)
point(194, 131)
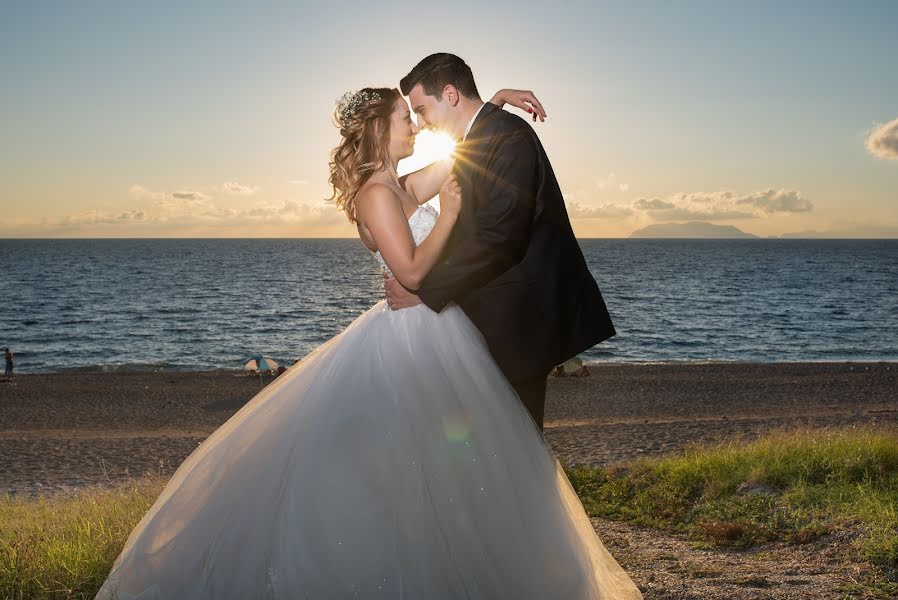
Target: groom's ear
point(450, 93)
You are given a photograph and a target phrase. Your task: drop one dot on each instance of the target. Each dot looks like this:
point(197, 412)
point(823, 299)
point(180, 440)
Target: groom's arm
point(504, 218)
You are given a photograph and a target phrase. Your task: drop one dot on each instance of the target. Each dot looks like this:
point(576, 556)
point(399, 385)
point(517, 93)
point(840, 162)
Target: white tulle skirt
point(395, 461)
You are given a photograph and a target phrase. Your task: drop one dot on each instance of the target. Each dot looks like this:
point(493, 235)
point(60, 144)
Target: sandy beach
point(63, 430)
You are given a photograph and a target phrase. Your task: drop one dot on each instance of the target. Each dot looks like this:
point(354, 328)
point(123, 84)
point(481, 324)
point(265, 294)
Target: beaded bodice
point(421, 222)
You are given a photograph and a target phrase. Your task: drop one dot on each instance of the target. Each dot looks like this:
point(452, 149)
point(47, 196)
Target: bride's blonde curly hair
point(364, 122)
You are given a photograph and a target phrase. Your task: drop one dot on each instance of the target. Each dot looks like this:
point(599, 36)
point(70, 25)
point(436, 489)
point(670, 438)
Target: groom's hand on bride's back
point(397, 296)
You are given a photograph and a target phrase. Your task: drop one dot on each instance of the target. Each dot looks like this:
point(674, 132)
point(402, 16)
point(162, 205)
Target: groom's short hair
point(436, 72)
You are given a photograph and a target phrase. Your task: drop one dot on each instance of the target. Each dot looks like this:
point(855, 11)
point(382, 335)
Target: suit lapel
point(471, 153)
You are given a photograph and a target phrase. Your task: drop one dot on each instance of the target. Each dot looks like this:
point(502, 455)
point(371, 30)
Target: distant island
point(692, 229)
point(845, 233)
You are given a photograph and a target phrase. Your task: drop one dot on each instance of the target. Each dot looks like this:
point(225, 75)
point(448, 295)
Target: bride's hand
point(523, 99)
point(450, 197)
point(397, 296)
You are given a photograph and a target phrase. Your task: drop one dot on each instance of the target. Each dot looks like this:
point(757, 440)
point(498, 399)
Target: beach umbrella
point(260, 362)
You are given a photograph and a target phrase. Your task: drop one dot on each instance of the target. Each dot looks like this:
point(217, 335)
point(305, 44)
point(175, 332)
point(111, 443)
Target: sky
point(213, 119)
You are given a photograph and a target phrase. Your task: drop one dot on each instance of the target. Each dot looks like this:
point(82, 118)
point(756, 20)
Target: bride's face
point(402, 131)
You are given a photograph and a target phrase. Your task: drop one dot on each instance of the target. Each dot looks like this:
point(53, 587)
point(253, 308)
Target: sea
point(200, 304)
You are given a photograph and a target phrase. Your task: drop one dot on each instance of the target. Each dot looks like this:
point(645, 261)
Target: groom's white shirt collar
point(471, 122)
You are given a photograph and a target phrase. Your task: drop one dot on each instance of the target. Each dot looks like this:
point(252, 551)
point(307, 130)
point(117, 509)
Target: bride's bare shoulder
point(375, 196)
point(376, 204)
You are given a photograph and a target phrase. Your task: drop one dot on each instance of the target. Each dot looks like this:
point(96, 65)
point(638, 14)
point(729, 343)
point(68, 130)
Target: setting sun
point(430, 146)
point(433, 146)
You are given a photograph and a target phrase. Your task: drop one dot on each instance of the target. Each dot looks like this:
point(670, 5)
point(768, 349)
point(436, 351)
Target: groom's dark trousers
point(533, 396)
point(512, 262)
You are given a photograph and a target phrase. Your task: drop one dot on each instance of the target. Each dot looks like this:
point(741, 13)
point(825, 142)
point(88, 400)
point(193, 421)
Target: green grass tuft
point(64, 546)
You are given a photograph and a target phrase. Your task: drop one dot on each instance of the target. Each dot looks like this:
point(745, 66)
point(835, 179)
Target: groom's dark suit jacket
point(512, 262)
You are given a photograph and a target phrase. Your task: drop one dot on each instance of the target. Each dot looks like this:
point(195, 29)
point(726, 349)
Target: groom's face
point(432, 113)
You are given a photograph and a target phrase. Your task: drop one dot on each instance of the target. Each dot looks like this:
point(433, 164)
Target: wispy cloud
point(772, 201)
point(181, 200)
point(576, 210)
point(257, 213)
point(653, 204)
point(724, 205)
point(608, 181)
point(238, 189)
point(318, 214)
point(96, 217)
point(883, 140)
point(184, 201)
point(192, 210)
point(190, 196)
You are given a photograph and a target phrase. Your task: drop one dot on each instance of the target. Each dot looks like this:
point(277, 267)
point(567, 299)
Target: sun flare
point(433, 146)
point(429, 147)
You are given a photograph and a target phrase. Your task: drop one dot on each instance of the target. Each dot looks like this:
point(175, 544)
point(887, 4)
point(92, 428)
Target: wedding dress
point(395, 461)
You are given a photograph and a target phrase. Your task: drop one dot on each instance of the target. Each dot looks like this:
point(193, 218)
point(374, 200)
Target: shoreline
point(131, 368)
point(60, 431)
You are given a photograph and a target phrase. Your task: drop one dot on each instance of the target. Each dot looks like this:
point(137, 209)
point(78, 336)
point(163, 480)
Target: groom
point(512, 263)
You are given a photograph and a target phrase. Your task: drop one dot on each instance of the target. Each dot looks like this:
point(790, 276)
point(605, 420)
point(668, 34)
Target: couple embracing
point(404, 457)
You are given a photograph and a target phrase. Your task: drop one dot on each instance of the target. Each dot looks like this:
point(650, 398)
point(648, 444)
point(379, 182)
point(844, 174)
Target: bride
point(394, 461)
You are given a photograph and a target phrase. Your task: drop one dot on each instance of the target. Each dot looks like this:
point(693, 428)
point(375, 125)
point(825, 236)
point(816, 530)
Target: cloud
point(652, 204)
point(883, 140)
point(138, 191)
point(238, 189)
point(187, 212)
point(608, 181)
point(320, 214)
point(184, 201)
point(576, 210)
point(190, 209)
point(724, 205)
point(96, 217)
point(258, 213)
point(173, 212)
point(773, 201)
point(180, 198)
point(188, 196)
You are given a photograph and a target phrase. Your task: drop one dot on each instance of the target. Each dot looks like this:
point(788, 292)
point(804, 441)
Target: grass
point(64, 546)
point(791, 486)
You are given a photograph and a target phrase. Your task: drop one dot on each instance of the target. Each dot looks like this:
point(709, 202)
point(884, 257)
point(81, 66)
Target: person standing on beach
point(9, 364)
point(512, 262)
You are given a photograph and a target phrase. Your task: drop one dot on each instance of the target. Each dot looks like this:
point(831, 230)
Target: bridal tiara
point(349, 103)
